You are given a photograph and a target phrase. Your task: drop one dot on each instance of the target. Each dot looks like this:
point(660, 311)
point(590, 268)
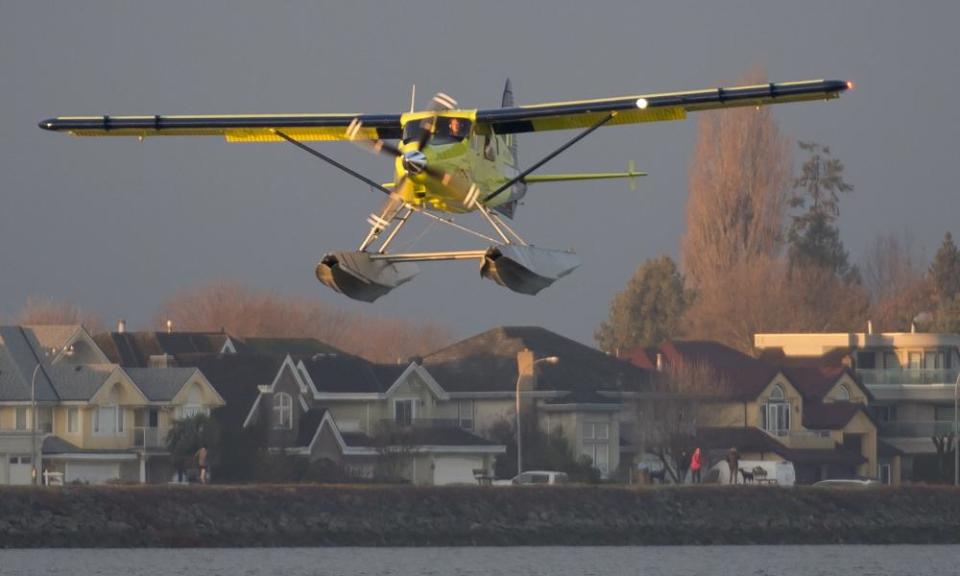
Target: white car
point(848, 483)
point(535, 477)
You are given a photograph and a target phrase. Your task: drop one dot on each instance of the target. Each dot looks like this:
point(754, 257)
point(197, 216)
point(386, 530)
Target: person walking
point(733, 461)
point(695, 465)
point(201, 457)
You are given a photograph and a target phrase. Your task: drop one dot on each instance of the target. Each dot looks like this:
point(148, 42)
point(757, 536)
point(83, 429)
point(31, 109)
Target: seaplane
point(449, 161)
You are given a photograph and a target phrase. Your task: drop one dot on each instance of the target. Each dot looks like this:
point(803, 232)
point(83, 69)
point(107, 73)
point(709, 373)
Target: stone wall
point(308, 515)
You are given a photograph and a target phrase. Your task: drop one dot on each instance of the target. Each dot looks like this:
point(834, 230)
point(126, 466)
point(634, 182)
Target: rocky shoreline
point(308, 515)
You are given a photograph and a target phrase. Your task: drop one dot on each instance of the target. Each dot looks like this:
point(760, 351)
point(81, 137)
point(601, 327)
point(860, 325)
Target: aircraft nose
point(414, 161)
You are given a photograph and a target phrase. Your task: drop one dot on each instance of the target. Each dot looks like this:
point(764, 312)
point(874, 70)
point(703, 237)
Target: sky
point(116, 226)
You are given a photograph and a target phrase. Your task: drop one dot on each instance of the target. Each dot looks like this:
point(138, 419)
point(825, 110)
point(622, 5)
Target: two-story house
point(912, 376)
point(67, 410)
point(815, 417)
point(443, 407)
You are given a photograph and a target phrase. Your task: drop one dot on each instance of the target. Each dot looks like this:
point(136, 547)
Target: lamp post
point(548, 360)
point(34, 458)
point(956, 432)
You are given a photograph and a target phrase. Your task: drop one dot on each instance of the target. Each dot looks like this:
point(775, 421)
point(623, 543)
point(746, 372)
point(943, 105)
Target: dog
point(747, 477)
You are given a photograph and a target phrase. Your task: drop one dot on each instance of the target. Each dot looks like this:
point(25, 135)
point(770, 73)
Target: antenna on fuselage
point(413, 97)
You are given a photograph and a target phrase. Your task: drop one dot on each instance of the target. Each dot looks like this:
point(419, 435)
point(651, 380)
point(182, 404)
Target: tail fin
point(508, 208)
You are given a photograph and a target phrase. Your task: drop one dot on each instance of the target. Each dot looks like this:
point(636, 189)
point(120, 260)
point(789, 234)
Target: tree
point(739, 175)
point(666, 421)
point(541, 451)
point(648, 311)
point(945, 271)
point(814, 238)
point(42, 311)
point(895, 280)
point(243, 312)
point(187, 435)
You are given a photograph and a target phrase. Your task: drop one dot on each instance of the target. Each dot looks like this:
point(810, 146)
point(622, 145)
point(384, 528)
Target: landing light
point(850, 85)
point(642, 103)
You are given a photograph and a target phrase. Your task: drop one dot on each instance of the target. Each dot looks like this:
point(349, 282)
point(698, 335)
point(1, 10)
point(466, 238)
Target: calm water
point(648, 561)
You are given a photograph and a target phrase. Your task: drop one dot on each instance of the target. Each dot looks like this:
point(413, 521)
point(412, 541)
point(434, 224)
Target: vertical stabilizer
point(519, 189)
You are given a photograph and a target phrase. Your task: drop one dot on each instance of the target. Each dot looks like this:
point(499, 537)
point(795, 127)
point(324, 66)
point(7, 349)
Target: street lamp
point(34, 473)
point(956, 431)
point(548, 360)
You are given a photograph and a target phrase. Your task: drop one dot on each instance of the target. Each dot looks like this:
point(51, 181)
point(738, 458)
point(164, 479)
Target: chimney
point(122, 326)
point(169, 326)
point(525, 369)
point(659, 362)
point(869, 326)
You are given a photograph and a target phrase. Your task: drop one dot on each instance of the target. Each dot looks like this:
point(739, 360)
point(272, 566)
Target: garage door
point(455, 470)
point(91, 473)
point(20, 470)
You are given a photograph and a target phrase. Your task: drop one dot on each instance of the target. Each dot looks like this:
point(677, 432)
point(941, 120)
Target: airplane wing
point(652, 107)
point(235, 128)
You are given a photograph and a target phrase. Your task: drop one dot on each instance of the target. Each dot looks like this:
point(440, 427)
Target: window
point(45, 420)
point(21, 418)
point(465, 414)
point(775, 414)
point(843, 393)
point(866, 360)
point(596, 445)
point(73, 420)
point(913, 360)
point(885, 413)
point(596, 431)
point(885, 473)
point(943, 413)
point(283, 410)
point(933, 360)
point(106, 421)
point(403, 412)
point(890, 360)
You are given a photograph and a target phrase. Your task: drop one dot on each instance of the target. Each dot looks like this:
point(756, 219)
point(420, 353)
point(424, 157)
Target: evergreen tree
point(814, 237)
point(648, 311)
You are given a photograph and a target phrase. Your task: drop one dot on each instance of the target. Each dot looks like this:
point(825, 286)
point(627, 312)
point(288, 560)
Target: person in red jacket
point(696, 463)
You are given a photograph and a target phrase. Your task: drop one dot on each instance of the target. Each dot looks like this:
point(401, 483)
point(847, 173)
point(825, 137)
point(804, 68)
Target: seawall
point(306, 515)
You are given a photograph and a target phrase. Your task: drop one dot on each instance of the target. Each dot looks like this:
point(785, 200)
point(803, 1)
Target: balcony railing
point(902, 377)
point(145, 437)
point(902, 429)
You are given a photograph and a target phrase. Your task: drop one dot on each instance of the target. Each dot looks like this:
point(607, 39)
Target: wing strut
point(333, 162)
point(549, 157)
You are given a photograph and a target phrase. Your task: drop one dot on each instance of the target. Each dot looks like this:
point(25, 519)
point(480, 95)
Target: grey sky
point(116, 226)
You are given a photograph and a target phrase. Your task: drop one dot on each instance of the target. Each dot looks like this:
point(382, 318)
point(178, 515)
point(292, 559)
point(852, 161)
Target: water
point(645, 561)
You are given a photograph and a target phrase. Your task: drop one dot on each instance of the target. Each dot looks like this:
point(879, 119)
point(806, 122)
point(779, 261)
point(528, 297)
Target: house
point(84, 417)
point(912, 378)
point(813, 416)
point(438, 412)
point(581, 396)
point(371, 419)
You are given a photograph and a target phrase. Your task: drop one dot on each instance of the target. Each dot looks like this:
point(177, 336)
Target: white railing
point(145, 437)
point(906, 376)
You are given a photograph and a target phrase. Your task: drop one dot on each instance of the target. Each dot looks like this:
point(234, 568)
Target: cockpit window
point(448, 130)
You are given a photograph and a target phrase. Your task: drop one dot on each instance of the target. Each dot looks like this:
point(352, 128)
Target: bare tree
point(666, 420)
point(895, 279)
point(40, 310)
point(243, 312)
point(739, 177)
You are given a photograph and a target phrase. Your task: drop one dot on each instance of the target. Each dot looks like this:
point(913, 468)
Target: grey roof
point(79, 381)
point(134, 349)
point(18, 360)
point(57, 445)
point(487, 362)
point(160, 384)
point(344, 373)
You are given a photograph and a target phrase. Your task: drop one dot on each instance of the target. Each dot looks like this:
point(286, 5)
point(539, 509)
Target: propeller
point(414, 161)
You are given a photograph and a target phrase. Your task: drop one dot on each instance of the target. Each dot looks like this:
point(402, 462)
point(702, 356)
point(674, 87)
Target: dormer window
point(283, 411)
point(843, 394)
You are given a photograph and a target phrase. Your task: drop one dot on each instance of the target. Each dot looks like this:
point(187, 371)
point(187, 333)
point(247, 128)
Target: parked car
point(848, 483)
point(535, 477)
